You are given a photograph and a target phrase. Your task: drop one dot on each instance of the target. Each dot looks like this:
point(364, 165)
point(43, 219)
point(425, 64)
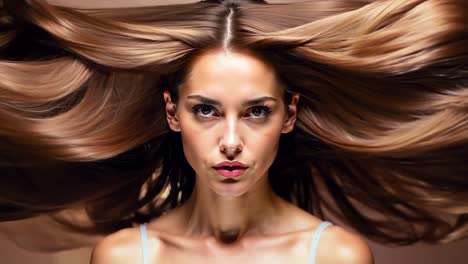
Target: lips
point(230, 165)
point(230, 169)
point(230, 173)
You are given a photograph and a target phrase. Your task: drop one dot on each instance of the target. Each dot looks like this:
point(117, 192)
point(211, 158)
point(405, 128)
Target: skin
point(244, 221)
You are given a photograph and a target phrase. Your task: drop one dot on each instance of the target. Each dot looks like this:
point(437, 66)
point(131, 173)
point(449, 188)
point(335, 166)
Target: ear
point(288, 125)
point(171, 110)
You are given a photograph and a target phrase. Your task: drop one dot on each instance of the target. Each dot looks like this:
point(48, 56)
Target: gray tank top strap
point(144, 247)
point(315, 240)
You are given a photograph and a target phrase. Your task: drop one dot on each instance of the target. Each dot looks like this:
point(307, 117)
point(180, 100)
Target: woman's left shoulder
point(342, 246)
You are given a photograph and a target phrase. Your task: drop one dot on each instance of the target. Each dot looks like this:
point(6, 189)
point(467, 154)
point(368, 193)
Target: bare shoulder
point(342, 246)
point(124, 247)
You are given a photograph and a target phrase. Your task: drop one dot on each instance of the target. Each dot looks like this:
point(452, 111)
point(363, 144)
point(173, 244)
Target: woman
point(138, 107)
point(230, 113)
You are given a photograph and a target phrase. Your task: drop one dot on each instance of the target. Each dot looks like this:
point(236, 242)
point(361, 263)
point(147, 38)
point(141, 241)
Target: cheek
point(194, 143)
point(264, 144)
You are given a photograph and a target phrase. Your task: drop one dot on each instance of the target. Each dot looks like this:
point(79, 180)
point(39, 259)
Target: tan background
point(454, 253)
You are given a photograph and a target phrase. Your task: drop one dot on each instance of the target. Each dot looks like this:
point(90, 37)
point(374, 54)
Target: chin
point(229, 192)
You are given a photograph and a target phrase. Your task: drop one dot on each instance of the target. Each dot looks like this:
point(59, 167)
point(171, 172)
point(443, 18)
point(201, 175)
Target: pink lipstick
point(230, 173)
point(230, 169)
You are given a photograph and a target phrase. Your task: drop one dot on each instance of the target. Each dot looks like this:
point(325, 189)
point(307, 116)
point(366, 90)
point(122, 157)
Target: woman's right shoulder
point(125, 247)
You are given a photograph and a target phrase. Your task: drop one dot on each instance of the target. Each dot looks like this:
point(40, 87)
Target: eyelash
point(266, 110)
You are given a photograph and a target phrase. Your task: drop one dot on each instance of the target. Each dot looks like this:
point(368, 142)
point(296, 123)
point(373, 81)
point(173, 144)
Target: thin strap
point(315, 240)
point(143, 243)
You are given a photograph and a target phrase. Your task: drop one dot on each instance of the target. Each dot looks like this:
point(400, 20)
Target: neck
point(228, 218)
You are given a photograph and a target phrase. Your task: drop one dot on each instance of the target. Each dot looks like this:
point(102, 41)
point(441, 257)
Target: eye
point(207, 111)
point(202, 110)
point(259, 112)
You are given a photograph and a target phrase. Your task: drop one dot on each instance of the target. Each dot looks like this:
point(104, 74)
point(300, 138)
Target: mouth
point(230, 172)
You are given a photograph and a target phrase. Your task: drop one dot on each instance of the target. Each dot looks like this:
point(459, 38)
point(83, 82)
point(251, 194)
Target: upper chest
point(289, 249)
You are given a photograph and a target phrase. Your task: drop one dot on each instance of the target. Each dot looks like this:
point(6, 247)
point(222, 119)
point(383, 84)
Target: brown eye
point(205, 110)
point(202, 111)
point(259, 112)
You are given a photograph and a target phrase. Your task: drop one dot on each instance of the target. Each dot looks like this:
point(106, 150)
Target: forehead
point(231, 73)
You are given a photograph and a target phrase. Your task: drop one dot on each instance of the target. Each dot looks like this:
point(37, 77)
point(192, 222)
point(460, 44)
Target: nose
point(231, 143)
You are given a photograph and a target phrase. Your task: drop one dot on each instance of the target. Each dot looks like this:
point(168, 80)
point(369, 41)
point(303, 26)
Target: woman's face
point(230, 108)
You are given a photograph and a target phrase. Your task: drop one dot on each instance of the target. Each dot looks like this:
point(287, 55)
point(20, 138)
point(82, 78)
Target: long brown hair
point(380, 140)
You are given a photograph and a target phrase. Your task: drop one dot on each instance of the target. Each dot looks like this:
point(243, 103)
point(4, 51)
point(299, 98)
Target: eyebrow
point(254, 101)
